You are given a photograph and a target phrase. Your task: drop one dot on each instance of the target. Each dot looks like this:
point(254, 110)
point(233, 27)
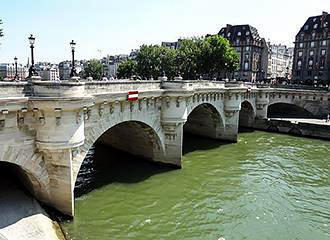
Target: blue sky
point(102, 27)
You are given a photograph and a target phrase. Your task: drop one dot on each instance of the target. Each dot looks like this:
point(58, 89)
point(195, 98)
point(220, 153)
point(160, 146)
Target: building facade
point(253, 51)
point(50, 73)
point(7, 71)
point(280, 58)
point(311, 64)
point(172, 45)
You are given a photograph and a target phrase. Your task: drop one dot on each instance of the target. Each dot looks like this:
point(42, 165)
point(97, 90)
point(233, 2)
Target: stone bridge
point(47, 128)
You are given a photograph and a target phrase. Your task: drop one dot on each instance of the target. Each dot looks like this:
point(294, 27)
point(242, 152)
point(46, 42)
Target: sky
point(102, 27)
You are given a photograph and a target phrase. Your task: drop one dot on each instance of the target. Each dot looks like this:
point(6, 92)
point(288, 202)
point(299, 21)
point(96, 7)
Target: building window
point(247, 48)
point(301, 45)
point(237, 41)
point(300, 53)
point(228, 34)
point(322, 62)
point(312, 44)
point(323, 52)
point(311, 53)
point(315, 26)
point(239, 34)
point(246, 66)
point(313, 35)
point(299, 63)
point(324, 42)
point(247, 56)
point(310, 63)
point(247, 33)
point(306, 27)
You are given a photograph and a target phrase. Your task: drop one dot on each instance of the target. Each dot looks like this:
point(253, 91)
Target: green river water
point(267, 186)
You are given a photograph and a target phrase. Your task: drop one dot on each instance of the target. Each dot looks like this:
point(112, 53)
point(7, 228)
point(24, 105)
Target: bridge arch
point(288, 110)
point(29, 168)
point(142, 138)
point(205, 120)
point(247, 114)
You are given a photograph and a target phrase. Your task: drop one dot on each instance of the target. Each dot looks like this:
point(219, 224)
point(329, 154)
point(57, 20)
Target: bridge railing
point(192, 84)
point(14, 89)
point(98, 87)
point(293, 86)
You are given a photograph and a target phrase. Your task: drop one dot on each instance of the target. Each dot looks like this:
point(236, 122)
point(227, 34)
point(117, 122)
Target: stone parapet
point(192, 84)
point(57, 89)
point(99, 87)
point(14, 89)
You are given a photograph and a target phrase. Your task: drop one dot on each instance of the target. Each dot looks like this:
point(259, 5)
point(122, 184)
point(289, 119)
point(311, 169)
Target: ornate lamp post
point(73, 69)
point(32, 70)
point(16, 78)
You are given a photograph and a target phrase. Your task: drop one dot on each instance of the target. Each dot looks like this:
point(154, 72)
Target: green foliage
point(209, 57)
point(94, 69)
point(127, 69)
point(153, 60)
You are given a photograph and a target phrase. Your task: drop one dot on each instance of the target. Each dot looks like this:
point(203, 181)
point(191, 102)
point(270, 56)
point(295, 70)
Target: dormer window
point(314, 19)
point(239, 34)
point(315, 26)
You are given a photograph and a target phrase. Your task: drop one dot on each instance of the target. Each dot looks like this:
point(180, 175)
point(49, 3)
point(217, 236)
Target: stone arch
point(147, 136)
point(205, 120)
point(247, 114)
point(30, 167)
point(288, 110)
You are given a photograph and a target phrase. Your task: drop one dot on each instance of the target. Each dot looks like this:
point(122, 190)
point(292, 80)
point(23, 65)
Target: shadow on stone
point(193, 143)
point(104, 165)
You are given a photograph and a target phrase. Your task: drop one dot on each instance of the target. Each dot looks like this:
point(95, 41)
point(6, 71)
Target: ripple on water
point(268, 186)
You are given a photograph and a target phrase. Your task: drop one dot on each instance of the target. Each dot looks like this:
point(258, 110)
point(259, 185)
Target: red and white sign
point(133, 96)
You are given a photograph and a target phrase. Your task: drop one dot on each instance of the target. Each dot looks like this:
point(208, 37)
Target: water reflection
point(267, 186)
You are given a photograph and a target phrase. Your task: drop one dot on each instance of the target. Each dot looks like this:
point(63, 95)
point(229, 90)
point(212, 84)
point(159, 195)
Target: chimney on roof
point(324, 13)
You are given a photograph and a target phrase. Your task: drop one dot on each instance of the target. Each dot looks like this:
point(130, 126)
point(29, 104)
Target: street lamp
point(73, 69)
point(32, 70)
point(16, 78)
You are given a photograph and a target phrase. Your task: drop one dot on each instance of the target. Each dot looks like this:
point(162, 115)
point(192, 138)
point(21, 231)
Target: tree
point(94, 69)
point(153, 60)
point(127, 69)
point(188, 57)
point(207, 57)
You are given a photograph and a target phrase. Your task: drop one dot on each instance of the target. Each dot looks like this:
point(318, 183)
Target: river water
point(267, 186)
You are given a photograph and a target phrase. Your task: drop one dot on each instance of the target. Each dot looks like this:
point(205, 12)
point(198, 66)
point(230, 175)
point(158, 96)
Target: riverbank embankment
point(314, 128)
point(22, 217)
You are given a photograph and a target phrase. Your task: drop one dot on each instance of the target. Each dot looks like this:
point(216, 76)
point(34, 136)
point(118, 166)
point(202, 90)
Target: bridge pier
point(262, 102)
point(61, 185)
point(173, 143)
point(231, 127)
